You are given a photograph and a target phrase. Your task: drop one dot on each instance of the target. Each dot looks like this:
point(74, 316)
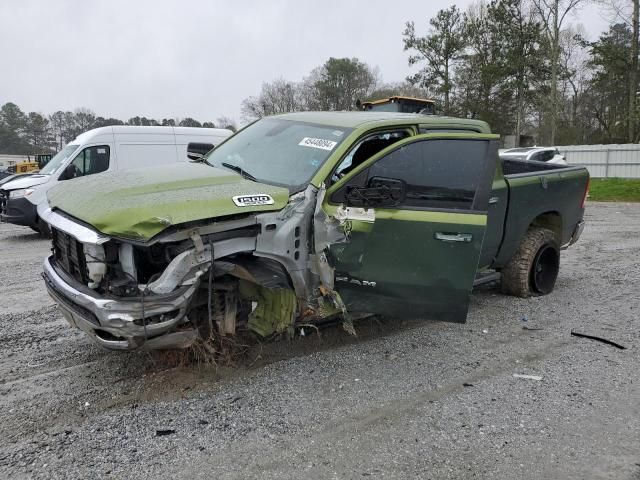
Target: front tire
point(533, 269)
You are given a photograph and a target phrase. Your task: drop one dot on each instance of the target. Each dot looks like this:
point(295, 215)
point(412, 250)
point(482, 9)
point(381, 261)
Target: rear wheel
point(533, 269)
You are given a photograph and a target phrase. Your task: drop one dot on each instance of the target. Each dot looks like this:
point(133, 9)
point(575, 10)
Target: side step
point(486, 277)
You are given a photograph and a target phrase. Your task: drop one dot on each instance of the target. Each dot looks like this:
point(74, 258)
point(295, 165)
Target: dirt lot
point(403, 400)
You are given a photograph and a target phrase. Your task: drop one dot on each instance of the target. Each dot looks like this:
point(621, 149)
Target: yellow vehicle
point(23, 167)
point(39, 161)
point(401, 104)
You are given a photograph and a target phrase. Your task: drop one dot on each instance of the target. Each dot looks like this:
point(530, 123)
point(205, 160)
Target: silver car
point(538, 154)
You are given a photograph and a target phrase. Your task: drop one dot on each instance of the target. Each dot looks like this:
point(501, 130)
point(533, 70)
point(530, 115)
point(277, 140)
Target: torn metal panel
point(179, 268)
point(327, 230)
point(285, 239)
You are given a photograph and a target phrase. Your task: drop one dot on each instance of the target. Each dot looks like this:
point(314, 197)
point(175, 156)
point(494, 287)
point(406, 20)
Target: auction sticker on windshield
point(252, 200)
point(320, 143)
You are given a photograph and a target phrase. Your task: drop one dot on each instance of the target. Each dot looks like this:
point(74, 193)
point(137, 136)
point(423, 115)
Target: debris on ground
point(162, 433)
point(598, 339)
point(528, 377)
point(532, 328)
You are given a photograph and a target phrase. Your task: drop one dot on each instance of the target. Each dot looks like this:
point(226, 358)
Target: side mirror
point(69, 172)
point(380, 192)
point(195, 157)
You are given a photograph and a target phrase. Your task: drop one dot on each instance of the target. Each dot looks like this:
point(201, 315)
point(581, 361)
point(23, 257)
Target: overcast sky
point(193, 58)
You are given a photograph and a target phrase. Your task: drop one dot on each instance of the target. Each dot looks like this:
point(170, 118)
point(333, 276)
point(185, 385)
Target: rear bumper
point(577, 232)
point(117, 324)
point(19, 211)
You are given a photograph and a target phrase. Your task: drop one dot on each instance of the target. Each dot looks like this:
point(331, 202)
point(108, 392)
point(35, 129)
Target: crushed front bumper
point(117, 324)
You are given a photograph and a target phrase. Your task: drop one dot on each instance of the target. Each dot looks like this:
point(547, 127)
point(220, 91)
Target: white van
point(104, 149)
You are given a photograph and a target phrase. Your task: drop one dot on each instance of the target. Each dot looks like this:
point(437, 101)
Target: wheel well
point(551, 221)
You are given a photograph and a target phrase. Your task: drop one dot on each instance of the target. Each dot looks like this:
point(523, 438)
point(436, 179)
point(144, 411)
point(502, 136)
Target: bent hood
point(25, 181)
point(139, 204)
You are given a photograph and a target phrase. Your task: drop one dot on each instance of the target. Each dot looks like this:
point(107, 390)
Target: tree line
point(518, 64)
point(33, 132)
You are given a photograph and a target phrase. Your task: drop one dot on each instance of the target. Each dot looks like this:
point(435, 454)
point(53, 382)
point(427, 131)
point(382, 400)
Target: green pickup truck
point(304, 218)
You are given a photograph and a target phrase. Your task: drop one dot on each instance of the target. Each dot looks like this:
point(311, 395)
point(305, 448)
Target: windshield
point(54, 164)
point(279, 152)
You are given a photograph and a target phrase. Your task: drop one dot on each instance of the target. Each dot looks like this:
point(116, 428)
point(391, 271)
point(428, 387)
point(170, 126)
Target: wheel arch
point(551, 220)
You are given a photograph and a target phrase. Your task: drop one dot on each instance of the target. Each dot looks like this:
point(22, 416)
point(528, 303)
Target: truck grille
point(69, 255)
point(4, 196)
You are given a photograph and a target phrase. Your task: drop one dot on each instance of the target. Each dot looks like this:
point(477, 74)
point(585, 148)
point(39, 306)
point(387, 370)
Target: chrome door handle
point(453, 237)
point(493, 200)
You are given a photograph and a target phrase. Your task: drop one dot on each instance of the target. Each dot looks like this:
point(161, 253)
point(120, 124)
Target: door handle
point(453, 237)
point(493, 200)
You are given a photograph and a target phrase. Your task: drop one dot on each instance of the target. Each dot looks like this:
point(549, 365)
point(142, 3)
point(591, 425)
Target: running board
point(486, 277)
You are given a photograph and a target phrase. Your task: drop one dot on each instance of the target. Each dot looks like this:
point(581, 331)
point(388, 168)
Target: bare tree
point(226, 122)
point(553, 14)
point(279, 96)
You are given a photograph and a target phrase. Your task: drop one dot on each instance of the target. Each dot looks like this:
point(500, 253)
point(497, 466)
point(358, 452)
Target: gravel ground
point(414, 399)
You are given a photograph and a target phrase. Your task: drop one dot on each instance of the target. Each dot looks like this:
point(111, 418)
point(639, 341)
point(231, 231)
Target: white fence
point(605, 160)
point(6, 160)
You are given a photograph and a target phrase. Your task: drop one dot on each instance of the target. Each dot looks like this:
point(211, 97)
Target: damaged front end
point(260, 272)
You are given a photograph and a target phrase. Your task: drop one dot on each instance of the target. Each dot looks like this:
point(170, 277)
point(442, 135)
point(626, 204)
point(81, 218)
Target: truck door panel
point(418, 258)
point(497, 212)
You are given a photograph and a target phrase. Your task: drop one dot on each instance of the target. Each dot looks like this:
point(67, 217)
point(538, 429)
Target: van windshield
point(279, 152)
point(56, 162)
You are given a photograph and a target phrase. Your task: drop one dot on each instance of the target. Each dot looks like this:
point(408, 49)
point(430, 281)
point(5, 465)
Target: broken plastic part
point(275, 311)
point(598, 339)
point(96, 266)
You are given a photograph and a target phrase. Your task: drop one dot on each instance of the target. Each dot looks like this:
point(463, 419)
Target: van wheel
point(43, 229)
point(533, 269)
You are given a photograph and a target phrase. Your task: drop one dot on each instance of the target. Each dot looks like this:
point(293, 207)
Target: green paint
point(275, 311)
point(414, 273)
point(139, 204)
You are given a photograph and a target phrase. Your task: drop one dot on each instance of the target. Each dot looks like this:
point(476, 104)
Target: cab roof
point(357, 119)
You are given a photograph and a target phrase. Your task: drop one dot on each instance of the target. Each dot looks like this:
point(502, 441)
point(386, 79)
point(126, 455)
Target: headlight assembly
point(21, 192)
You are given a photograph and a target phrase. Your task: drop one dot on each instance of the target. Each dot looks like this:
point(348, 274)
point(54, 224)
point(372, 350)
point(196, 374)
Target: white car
point(537, 154)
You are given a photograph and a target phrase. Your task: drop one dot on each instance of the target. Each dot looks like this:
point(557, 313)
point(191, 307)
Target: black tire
point(533, 269)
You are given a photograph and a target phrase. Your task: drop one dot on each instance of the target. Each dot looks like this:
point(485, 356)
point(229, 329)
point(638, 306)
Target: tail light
point(586, 193)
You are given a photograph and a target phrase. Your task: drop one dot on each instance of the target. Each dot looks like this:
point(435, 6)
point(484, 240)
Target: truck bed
point(532, 193)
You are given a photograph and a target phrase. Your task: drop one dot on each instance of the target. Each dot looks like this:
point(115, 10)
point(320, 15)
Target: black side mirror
point(379, 192)
point(69, 172)
point(195, 157)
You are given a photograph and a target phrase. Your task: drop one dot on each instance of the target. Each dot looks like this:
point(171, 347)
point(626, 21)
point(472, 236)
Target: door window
point(91, 160)
point(366, 149)
point(438, 173)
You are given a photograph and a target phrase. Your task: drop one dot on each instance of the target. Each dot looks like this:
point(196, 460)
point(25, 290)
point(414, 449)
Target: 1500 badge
point(253, 200)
